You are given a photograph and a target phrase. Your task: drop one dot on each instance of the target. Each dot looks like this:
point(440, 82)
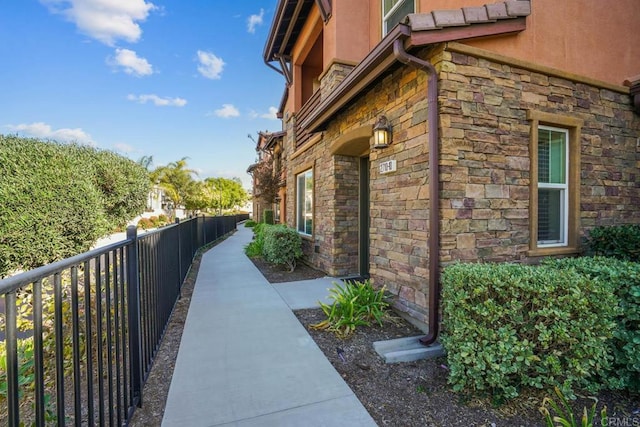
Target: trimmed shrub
point(56, 200)
point(250, 224)
point(255, 247)
point(163, 219)
point(50, 208)
point(282, 246)
point(622, 242)
point(267, 216)
point(624, 278)
point(507, 327)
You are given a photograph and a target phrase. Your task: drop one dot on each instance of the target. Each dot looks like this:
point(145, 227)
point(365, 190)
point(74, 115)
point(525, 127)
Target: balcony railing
point(303, 135)
point(80, 335)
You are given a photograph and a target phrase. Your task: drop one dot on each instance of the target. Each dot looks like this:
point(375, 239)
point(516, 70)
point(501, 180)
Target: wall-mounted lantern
point(381, 133)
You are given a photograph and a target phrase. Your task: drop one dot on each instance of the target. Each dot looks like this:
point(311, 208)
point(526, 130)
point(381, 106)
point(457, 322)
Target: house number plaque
point(388, 166)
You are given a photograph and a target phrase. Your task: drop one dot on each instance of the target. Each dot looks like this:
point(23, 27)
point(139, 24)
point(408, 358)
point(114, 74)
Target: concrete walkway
point(245, 360)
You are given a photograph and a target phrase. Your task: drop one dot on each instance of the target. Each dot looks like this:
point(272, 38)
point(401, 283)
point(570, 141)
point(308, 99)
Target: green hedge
point(624, 278)
point(56, 200)
point(282, 246)
point(507, 327)
point(621, 241)
point(255, 247)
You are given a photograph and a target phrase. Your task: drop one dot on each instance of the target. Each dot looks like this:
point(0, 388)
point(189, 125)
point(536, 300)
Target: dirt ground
point(403, 395)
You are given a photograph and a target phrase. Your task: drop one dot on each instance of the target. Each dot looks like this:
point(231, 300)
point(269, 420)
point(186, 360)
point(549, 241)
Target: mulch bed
point(276, 274)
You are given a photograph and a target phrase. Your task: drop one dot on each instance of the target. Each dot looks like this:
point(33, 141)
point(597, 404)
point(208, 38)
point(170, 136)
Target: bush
point(624, 278)
point(163, 219)
point(622, 242)
point(282, 246)
point(267, 216)
point(507, 327)
point(145, 224)
point(355, 304)
point(255, 248)
point(250, 224)
point(56, 200)
point(50, 208)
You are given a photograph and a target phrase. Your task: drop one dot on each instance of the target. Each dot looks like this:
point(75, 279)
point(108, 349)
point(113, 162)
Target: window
point(304, 202)
point(552, 186)
point(555, 184)
point(393, 11)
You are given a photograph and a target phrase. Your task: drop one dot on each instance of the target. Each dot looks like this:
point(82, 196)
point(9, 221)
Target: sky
point(162, 78)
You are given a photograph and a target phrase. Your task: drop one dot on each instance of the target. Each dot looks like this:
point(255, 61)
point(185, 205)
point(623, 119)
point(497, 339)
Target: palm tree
point(176, 180)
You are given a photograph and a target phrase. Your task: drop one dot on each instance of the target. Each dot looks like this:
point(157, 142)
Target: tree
point(226, 193)
point(176, 181)
point(266, 180)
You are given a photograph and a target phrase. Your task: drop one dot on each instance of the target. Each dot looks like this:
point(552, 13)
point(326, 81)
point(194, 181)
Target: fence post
point(133, 296)
point(177, 221)
point(204, 230)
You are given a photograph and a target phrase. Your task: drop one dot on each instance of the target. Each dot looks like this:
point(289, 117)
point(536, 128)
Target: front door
point(364, 218)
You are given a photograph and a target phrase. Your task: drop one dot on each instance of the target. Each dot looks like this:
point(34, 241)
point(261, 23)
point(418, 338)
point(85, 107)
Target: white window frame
point(564, 192)
point(301, 206)
point(385, 16)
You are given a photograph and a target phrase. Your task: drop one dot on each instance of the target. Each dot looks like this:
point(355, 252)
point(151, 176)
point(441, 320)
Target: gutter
point(401, 55)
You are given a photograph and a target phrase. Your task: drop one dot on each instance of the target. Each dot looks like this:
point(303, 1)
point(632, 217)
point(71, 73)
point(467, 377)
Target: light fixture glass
point(381, 133)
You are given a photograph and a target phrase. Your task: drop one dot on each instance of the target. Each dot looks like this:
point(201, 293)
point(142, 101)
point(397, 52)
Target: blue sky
point(161, 78)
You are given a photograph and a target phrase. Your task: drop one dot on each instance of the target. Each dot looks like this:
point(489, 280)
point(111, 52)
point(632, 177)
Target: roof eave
point(381, 58)
point(268, 52)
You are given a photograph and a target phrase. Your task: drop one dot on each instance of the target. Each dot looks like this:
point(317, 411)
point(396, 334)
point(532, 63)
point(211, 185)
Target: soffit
point(287, 23)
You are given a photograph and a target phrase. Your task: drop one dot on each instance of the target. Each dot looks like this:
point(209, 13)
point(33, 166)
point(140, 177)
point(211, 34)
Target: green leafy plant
point(354, 304)
point(56, 200)
point(282, 246)
point(249, 224)
point(507, 327)
point(621, 241)
point(255, 247)
point(624, 278)
point(564, 414)
point(267, 216)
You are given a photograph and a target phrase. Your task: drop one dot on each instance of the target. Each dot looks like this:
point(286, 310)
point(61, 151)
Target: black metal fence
point(80, 335)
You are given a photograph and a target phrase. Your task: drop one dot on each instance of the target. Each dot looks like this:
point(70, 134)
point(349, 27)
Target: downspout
point(434, 194)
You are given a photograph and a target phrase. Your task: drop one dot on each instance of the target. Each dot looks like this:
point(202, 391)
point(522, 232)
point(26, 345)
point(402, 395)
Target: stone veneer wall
point(484, 162)
point(333, 247)
point(485, 155)
point(333, 77)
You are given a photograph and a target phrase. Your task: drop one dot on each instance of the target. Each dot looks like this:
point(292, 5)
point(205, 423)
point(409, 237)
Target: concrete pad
point(244, 358)
point(407, 349)
point(306, 293)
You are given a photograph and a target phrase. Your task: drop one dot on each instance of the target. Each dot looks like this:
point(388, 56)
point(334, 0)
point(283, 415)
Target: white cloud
point(227, 111)
point(131, 63)
point(123, 148)
point(157, 100)
point(44, 131)
point(105, 20)
point(272, 114)
point(210, 65)
point(254, 20)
